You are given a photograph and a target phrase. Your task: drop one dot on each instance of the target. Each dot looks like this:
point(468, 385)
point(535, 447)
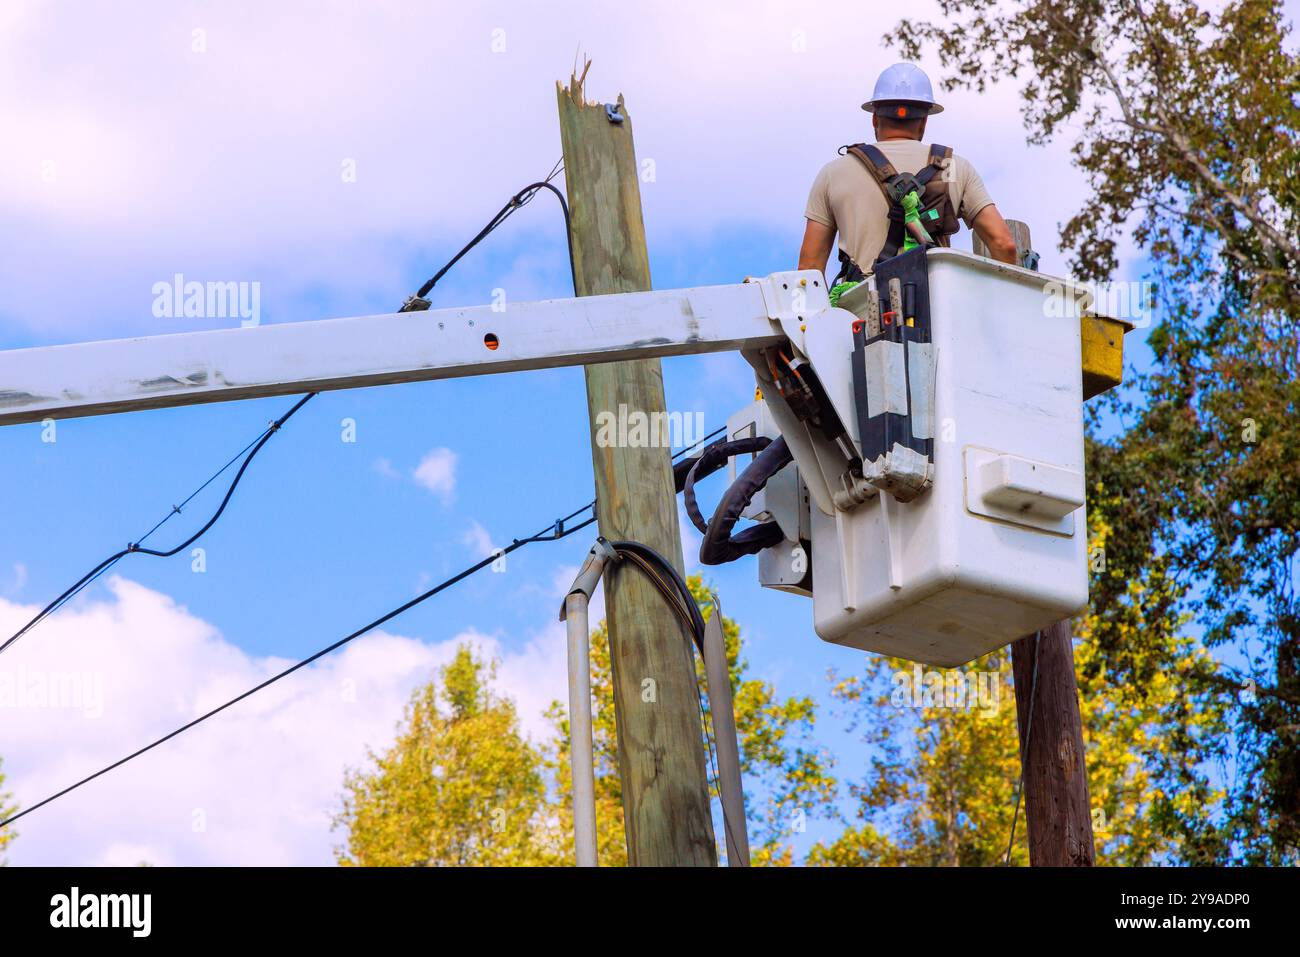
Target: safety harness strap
point(876, 163)
point(940, 158)
point(941, 219)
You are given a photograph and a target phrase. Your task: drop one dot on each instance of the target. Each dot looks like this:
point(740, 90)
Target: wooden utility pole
point(1058, 815)
point(660, 756)
point(1058, 818)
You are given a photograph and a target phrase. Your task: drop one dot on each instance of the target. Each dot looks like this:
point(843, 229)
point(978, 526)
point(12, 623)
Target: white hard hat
point(905, 88)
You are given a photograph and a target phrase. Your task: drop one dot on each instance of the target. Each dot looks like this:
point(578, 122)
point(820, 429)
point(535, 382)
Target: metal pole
point(581, 759)
point(730, 787)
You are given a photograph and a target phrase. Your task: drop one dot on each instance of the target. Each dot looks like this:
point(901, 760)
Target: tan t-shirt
point(846, 197)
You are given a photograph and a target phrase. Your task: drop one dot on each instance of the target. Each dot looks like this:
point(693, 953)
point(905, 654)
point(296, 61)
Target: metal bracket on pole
point(593, 567)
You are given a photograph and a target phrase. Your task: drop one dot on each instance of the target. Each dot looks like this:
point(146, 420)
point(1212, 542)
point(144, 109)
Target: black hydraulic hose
point(713, 458)
point(719, 545)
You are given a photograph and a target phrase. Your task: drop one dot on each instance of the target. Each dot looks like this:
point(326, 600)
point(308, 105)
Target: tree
point(461, 785)
point(1185, 122)
point(7, 834)
point(941, 789)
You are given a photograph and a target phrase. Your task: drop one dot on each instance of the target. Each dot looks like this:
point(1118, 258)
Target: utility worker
point(864, 194)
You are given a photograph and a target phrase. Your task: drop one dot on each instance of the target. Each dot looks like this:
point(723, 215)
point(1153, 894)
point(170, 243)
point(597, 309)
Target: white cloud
point(113, 161)
point(256, 784)
point(437, 473)
point(562, 581)
point(477, 538)
point(385, 468)
point(19, 579)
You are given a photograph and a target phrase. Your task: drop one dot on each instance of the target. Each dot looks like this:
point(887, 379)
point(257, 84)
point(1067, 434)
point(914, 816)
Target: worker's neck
point(885, 137)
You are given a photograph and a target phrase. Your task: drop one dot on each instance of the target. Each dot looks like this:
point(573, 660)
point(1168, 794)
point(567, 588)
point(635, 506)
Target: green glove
point(912, 222)
point(839, 290)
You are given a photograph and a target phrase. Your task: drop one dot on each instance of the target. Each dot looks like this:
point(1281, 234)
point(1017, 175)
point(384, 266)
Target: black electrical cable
point(558, 531)
point(719, 546)
point(666, 588)
point(673, 575)
point(177, 509)
point(680, 468)
point(518, 201)
point(1025, 752)
point(274, 427)
point(137, 548)
point(382, 619)
point(656, 567)
point(713, 458)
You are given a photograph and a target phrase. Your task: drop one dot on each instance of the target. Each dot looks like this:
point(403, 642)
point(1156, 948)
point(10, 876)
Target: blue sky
point(210, 140)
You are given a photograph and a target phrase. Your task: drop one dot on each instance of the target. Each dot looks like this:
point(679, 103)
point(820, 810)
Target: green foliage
point(1186, 121)
point(611, 847)
point(460, 786)
point(7, 834)
point(941, 787)
point(778, 759)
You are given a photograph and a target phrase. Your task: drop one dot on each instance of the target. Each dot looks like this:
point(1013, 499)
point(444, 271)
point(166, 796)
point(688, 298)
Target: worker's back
point(846, 197)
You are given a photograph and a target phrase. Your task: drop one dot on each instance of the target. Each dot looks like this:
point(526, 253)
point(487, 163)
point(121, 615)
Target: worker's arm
point(816, 248)
point(993, 229)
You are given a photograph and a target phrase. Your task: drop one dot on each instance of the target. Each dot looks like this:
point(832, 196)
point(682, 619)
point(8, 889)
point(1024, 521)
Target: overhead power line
point(559, 529)
point(669, 581)
point(138, 547)
point(415, 302)
point(1024, 751)
point(387, 616)
point(516, 202)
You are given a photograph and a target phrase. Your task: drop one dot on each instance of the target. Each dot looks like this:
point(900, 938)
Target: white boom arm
point(123, 375)
point(935, 425)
